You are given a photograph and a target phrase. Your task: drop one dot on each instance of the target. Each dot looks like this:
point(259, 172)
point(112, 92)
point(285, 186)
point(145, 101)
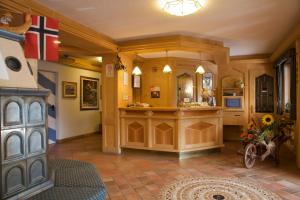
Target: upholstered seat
point(73, 180)
point(77, 177)
point(63, 164)
point(71, 193)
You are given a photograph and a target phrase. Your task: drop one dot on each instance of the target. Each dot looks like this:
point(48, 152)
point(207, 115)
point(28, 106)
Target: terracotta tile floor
point(141, 175)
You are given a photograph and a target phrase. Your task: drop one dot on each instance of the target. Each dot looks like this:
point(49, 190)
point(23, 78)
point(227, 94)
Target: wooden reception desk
point(171, 129)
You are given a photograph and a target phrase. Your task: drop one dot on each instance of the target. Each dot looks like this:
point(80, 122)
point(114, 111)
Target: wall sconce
point(99, 59)
point(119, 65)
point(200, 70)
point(136, 71)
point(167, 69)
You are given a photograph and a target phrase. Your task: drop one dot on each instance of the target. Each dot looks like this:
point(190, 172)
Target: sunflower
point(267, 120)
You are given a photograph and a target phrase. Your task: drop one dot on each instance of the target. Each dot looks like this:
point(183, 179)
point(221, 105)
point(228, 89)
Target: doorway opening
point(48, 80)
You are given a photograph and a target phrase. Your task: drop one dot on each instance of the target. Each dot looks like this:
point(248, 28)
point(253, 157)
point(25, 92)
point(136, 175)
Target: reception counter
point(171, 129)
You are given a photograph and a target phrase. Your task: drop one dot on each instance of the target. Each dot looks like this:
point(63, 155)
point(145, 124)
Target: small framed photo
point(207, 81)
point(136, 81)
point(69, 89)
point(89, 93)
point(155, 92)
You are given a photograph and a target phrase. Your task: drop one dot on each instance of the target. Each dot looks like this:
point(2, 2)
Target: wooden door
point(253, 93)
point(264, 94)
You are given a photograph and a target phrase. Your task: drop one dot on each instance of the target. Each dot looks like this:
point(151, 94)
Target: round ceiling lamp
point(181, 7)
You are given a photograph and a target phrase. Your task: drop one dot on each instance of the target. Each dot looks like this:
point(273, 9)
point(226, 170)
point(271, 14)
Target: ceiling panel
point(246, 26)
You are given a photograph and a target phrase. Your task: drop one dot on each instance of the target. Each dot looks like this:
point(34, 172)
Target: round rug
point(214, 188)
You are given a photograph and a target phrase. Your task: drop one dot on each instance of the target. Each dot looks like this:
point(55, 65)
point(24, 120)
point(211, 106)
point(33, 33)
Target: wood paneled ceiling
point(245, 26)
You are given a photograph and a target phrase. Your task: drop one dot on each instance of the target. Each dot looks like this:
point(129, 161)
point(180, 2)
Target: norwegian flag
point(41, 40)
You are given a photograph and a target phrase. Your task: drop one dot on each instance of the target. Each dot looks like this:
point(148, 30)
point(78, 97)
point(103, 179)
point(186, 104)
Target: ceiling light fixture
point(137, 71)
point(167, 69)
point(200, 70)
point(57, 42)
point(99, 59)
point(181, 7)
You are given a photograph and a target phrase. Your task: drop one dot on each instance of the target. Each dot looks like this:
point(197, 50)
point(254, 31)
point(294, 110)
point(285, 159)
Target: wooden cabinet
point(234, 118)
point(233, 97)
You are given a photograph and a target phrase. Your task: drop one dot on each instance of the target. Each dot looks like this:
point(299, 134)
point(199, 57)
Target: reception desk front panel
point(171, 129)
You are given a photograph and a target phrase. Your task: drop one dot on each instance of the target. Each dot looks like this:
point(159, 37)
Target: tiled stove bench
point(73, 180)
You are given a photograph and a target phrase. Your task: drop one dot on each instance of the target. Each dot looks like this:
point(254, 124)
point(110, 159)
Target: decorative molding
point(257, 58)
point(200, 133)
point(164, 134)
point(176, 59)
point(136, 133)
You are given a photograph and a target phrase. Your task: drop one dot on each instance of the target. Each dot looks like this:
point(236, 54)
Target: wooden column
point(114, 94)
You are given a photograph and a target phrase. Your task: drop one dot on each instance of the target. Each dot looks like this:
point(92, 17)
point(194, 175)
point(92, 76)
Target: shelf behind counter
point(171, 129)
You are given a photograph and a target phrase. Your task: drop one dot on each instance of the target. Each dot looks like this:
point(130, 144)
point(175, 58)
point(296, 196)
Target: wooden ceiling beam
point(75, 51)
point(67, 25)
point(257, 58)
point(80, 63)
point(175, 42)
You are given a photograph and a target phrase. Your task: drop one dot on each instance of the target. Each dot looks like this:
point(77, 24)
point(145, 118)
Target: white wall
point(70, 120)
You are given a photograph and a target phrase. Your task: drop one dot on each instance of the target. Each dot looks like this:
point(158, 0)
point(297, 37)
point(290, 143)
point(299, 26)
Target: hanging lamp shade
point(200, 70)
point(136, 71)
point(167, 69)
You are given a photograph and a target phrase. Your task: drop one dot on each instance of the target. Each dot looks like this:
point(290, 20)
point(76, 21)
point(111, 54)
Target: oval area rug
point(214, 188)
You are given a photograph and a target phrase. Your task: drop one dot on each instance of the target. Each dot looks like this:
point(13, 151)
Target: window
point(286, 84)
point(287, 88)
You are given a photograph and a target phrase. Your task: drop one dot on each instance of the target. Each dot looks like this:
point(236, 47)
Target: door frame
point(56, 100)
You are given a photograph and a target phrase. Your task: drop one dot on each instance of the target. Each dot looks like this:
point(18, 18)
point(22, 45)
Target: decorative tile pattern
point(137, 175)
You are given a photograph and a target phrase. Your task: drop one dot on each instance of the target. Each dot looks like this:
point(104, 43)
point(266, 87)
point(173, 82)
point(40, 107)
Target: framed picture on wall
point(89, 93)
point(155, 92)
point(207, 81)
point(69, 89)
point(136, 81)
